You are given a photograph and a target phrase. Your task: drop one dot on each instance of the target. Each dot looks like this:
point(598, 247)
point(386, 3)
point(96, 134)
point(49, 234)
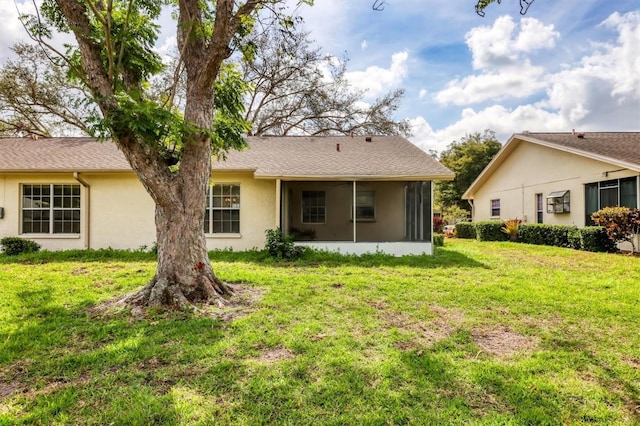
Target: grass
point(480, 333)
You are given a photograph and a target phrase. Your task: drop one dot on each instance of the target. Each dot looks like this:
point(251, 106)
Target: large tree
point(169, 150)
point(466, 158)
point(169, 146)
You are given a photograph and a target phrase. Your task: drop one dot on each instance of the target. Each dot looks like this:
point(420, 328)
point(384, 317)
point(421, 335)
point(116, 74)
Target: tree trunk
point(184, 275)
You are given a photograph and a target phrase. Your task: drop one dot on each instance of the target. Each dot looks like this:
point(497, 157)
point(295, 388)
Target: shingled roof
point(614, 147)
point(59, 155)
point(343, 157)
point(295, 157)
point(618, 148)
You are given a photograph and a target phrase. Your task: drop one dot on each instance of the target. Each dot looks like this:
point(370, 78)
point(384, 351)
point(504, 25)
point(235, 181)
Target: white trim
point(398, 249)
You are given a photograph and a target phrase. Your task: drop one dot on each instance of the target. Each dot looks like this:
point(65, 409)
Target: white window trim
point(211, 209)
point(50, 234)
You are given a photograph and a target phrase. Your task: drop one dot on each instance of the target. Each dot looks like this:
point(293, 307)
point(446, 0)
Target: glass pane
point(608, 197)
point(628, 193)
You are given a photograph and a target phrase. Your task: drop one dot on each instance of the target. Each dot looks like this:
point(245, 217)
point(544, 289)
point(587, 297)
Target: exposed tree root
point(164, 293)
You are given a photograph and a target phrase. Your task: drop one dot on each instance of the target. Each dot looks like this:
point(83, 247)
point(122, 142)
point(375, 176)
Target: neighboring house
point(558, 178)
point(74, 193)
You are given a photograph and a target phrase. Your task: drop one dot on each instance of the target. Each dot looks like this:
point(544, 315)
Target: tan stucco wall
point(389, 205)
point(531, 169)
point(121, 213)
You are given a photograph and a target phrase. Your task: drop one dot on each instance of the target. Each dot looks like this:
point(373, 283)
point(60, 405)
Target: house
point(353, 194)
point(558, 178)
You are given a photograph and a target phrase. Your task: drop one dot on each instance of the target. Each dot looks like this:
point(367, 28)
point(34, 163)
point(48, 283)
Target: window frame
point(493, 209)
point(231, 206)
point(64, 210)
point(559, 202)
point(320, 209)
point(371, 204)
point(606, 185)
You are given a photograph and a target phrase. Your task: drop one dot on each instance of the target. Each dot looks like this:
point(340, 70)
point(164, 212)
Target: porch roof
point(335, 157)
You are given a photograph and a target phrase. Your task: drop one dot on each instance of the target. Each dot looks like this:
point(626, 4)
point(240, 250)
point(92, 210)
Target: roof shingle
point(321, 157)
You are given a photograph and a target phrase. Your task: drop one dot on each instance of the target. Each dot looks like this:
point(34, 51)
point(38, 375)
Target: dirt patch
point(503, 342)
point(274, 355)
point(8, 389)
point(80, 271)
point(427, 332)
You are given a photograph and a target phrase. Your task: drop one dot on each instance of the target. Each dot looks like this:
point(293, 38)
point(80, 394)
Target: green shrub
point(281, 247)
point(595, 238)
point(466, 230)
point(438, 240)
point(546, 235)
point(490, 231)
point(12, 246)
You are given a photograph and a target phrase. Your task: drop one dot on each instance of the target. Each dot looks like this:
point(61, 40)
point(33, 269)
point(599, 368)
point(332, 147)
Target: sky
point(566, 64)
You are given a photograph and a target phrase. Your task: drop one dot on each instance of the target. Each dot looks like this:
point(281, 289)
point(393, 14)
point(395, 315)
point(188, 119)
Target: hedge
point(12, 246)
point(546, 235)
point(490, 231)
point(595, 238)
point(466, 230)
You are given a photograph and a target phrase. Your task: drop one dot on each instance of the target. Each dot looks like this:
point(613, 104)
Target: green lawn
point(480, 333)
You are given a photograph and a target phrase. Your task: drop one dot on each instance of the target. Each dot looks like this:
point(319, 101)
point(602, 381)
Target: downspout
point(279, 223)
point(87, 232)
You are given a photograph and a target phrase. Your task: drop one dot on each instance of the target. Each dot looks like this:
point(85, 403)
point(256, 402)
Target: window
point(222, 215)
point(495, 208)
point(610, 193)
point(365, 206)
point(313, 207)
point(50, 209)
point(539, 208)
point(559, 202)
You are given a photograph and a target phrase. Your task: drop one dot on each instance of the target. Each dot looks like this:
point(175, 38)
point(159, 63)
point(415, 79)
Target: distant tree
point(38, 99)
point(466, 158)
point(620, 223)
point(297, 90)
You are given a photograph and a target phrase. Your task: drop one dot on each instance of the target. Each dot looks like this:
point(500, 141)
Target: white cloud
point(512, 82)
point(499, 52)
point(606, 81)
point(364, 45)
point(423, 93)
point(498, 46)
point(376, 80)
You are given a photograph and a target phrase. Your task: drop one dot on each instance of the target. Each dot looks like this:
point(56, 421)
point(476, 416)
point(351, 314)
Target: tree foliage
point(620, 223)
point(297, 90)
point(39, 99)
point(466, 158)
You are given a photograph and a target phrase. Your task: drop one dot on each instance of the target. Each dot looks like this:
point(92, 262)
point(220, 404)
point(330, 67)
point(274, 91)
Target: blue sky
point(567, 64)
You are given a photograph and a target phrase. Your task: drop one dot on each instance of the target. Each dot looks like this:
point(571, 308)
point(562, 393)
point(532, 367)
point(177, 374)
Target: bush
point(546, 235)
point(490, 231)
point(595, 238)
point(438, 240)
point(281, 247)
point(438, 224)
point(466, 230)
point(510, 227)
point(12, 246)
point(620, 223)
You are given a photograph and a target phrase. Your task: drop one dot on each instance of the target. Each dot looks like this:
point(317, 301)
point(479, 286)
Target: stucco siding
point(533, 169)
point(121, 213)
